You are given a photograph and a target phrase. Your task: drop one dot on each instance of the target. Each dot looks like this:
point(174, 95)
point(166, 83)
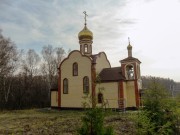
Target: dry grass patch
point(53, 122)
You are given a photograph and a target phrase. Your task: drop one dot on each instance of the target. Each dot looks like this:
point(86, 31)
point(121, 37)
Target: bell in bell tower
point(130, 65)
point(85, 39)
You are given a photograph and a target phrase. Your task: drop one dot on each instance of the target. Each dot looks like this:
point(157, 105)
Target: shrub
point(93, 123)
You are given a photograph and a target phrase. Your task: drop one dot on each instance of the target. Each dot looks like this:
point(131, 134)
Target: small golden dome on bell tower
point(129, 48)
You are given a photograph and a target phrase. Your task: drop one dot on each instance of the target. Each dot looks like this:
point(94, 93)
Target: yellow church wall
point(75, 93)
point(54, 98)
point(125, 93)
point(102, 62)
point(110, 93)
point(130, 94)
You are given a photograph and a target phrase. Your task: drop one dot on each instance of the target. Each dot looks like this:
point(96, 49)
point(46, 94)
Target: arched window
point(75, 69)
point(65, 86)
point(130, 72)
point(85, 84)
point(100, 98)
point(85, 48)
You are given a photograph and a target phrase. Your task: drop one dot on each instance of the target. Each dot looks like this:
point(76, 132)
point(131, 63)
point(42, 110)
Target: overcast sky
point(152, 25)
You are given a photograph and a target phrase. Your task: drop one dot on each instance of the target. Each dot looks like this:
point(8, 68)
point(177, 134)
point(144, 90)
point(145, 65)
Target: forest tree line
point(169, 84)
point(27, 77)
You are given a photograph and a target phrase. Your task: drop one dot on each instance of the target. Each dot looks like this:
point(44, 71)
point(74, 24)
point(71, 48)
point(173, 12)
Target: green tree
point(93, 120)
point(159, 110)
point(143, 124)
point(93, 123)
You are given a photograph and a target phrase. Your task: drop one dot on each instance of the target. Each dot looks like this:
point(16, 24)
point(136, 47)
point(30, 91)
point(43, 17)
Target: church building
point(83, 74)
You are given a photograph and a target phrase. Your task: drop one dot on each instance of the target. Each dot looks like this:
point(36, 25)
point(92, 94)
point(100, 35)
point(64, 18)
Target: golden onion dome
point(129, 47)
point(85, 33)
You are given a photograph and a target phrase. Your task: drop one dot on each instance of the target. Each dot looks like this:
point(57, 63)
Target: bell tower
point(130, 68)
point(85, 39)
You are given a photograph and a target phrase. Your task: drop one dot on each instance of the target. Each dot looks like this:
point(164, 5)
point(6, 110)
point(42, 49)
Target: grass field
point(53, 122)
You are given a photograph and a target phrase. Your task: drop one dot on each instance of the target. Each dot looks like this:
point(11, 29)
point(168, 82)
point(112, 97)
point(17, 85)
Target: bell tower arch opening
point(130, 72)
point(130, 65)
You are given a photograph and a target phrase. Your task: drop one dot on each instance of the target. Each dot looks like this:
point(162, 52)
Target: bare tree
point(60, 53)
point(52, 58)
point(0, 33)
point(29, 71)
point(49, 65)
point(26, 81)
point(31, 62)
point(8, 66)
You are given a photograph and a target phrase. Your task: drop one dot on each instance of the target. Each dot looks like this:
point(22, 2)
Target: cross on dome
point(85, 33)
point(85, 17)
